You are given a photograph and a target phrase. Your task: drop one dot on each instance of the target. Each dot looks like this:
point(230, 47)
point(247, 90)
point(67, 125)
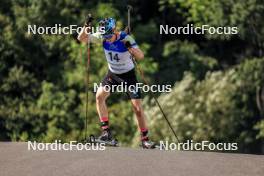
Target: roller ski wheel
point(107, 142)
point(147, 144)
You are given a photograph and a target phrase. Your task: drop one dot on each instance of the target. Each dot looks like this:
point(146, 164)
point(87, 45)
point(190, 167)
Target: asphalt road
point(16, 160)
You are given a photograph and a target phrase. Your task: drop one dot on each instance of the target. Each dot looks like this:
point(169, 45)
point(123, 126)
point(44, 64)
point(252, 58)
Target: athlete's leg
point(101, 96)
point(141, 118)
point(138, 109)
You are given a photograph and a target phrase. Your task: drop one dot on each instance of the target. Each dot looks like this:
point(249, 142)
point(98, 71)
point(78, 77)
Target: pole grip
point(129, 9)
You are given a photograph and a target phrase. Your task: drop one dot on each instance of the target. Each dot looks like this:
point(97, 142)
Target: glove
point(128, 41)
point(127, 44)
point(89, 19)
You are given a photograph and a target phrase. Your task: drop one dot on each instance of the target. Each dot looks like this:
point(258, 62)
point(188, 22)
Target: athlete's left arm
point(136, 52)
point(133, 48)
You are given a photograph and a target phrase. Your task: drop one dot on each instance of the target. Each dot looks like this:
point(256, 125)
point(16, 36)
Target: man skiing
point(119, 48)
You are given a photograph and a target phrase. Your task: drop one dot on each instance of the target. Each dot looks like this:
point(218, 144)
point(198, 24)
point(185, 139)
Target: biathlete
point(119, 48)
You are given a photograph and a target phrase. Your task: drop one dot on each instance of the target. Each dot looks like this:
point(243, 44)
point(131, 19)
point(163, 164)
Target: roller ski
point(105, 138)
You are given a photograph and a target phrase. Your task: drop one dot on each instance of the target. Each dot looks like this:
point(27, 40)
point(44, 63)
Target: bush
point(220, 108)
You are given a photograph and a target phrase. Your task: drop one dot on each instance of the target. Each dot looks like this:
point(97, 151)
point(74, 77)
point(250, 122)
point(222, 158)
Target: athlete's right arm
point(94, 38)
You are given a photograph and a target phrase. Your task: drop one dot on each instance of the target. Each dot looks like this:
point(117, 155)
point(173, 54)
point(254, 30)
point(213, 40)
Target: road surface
point(16, 160)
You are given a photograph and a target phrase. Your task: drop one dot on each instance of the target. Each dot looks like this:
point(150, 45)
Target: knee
point(137, 109)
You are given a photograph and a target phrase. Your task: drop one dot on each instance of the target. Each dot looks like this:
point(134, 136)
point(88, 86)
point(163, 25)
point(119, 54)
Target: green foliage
point(149, 29)
point(107, 10)
point(184, 57)
point(260, 126)
point(246, 15)
point(221, 107)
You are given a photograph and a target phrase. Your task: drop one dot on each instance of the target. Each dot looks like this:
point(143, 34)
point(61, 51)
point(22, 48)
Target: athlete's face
point(113, 38)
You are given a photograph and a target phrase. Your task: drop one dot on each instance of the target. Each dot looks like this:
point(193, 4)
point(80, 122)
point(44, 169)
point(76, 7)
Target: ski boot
point(147, 144)
point(106, 138)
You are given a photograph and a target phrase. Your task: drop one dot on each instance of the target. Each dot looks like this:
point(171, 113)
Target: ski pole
point(87, 68)
point(129, 8)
